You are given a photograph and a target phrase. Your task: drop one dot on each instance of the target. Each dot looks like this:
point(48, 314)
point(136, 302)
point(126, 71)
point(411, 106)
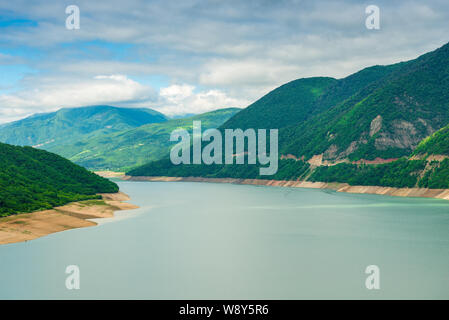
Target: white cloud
point(176, 93)
point(119, 90)
point(235, 50)
point(182, 99)
point(54, 93)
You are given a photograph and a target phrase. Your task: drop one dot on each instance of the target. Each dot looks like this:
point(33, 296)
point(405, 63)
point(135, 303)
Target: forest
point(33, 179)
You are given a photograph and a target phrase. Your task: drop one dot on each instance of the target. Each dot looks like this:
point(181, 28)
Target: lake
point(221, 241)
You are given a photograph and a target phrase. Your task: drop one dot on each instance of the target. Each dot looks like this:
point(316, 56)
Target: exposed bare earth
point(434, 157)
point(317, 160)
point(110, 174)
point(339, 187)
point(28, 226)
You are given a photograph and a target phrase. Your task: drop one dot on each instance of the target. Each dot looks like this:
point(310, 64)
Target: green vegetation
point(69, 125)
point(288, 170)
point(289, 104)
point(437, 177)
point(382, 111)
point(125, 149)
point(411, 100)
point(436, 144)
point(92, 202)
point(335, 117)
point(33, 179)
point(105, 137)
point(401, 174)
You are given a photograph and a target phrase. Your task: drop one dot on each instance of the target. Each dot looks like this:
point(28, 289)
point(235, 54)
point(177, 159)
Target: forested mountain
point(380, 112)
point(33, 179)
point(290, 104)
point(125, 149)
point(68, 125)
point(297, 101)
point(388, 120)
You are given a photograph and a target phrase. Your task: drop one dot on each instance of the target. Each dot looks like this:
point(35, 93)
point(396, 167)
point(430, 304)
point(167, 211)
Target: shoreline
point(28, 226)
point(339, 187)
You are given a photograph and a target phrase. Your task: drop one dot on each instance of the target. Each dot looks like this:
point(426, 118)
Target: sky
point(191, 56)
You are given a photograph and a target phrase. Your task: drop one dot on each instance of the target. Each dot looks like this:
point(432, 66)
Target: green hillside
point(288, 170)
point(382, 111)
point(33, 179)
point(72, 124)
point(401, 173)
point(436, 144)
point(128, 148)
point(289, 104)
point(384, 120)
point(297, 101)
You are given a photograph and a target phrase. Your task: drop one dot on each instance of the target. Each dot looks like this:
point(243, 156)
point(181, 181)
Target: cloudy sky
point(192, 56)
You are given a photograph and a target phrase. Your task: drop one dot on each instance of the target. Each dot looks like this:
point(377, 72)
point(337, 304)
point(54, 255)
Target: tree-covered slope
point(289, 104)
point(384, 120)
point(294, 103)
point(33, 179)
point(436, 144)
point(382, 111)
point(288, 170)
point(128, 148)
point(68, 125)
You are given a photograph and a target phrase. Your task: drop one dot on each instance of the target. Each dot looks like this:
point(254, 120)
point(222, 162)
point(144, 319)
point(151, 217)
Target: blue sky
point(193, 56)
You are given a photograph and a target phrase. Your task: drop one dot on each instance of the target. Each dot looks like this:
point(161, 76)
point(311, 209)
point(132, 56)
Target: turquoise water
point(222, 241)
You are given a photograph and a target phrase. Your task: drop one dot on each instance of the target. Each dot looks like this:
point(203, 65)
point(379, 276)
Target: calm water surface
point(207, 241)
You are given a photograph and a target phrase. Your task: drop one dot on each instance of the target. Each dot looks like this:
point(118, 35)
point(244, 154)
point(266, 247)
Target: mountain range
point(69, 125)
point(381, 111)
point(363, 129)
point(125, 149)
point(105, 137)
point(384, 125)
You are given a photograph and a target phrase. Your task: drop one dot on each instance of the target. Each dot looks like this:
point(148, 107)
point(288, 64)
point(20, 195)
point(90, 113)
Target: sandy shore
point(28, 226)
point(339, 187)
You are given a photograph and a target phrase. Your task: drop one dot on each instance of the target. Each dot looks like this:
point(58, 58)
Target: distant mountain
point(68, 125)
point(182, 116)
point(33, 179)
point(128, 148)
